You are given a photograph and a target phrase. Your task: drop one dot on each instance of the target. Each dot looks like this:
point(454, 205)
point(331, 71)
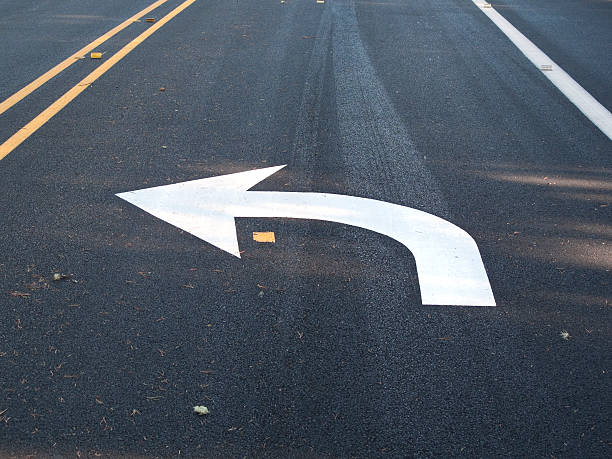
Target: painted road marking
point(577, 95)
point(449, 266)
point(267, 236)
point(38, 82)
point(16, 139)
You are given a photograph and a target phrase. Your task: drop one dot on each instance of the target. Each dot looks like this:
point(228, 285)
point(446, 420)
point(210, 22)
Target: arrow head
point(201, 207)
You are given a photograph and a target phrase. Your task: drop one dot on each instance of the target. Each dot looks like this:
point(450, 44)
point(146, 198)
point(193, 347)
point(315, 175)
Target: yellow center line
point(16, 139)
point(38, 82)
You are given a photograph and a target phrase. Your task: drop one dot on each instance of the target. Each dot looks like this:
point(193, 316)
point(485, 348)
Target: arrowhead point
point(239, 181)
point(200, 207)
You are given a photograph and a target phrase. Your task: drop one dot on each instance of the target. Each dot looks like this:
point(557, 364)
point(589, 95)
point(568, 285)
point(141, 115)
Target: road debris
point(565, 335)
point(60, 276)
point(201, 410)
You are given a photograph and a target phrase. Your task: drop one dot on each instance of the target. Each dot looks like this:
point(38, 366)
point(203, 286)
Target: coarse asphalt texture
point(316, 345)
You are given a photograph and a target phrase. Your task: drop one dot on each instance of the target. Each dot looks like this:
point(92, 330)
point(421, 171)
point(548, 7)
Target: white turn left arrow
point(448, 262)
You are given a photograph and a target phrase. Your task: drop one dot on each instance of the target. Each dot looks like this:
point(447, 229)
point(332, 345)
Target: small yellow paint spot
point(96, 55)
point(264, 237)
point(150, 19)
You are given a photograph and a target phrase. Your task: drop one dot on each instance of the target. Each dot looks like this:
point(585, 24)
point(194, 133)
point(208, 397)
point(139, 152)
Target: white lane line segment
point(586, 103)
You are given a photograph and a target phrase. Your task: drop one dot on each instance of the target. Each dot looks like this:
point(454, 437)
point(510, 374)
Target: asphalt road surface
point(114, 324)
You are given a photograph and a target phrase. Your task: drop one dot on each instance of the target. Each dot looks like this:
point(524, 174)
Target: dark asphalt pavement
point(317, 345)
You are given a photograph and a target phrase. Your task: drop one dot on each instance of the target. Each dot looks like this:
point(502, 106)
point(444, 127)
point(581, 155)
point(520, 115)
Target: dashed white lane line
point(587, 104)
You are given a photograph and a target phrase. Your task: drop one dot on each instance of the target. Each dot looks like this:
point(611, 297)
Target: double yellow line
point(16, 139)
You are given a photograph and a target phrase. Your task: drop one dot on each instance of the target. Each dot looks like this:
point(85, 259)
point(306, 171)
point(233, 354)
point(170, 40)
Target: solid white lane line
point(587, 104)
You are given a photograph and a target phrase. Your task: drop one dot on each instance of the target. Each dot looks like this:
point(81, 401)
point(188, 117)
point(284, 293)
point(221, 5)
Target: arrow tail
point(449, 265)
